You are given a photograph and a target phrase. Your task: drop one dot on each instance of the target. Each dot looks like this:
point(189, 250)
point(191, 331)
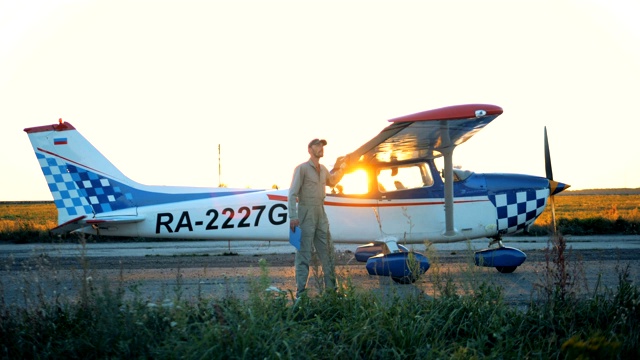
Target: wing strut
point(448, 192)
point(447, 153)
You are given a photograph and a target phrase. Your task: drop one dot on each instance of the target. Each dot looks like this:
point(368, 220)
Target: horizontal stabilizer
point(115, 220)
point(80, 222)
point(69, 226)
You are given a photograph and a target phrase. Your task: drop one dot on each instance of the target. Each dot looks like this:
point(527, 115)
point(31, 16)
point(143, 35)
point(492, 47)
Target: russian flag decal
point(60, 141)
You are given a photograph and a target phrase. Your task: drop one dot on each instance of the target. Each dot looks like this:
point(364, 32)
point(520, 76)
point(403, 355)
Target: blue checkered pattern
point(518, 209)
point(80, 192)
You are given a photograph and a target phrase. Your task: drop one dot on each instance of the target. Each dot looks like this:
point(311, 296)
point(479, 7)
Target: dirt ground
point(156, 278)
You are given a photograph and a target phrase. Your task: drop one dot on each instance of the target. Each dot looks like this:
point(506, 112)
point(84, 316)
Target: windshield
point(404, 177)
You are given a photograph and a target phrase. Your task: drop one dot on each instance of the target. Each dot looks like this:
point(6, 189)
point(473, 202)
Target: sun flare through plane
point(391, 195)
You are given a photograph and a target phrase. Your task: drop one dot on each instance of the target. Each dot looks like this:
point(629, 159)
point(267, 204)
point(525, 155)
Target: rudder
point(81, 180)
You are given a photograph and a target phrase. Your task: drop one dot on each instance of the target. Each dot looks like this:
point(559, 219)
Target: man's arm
point(334, 179)
point(338, 171)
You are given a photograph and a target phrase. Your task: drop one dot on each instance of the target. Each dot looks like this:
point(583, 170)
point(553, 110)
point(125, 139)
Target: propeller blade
point(552, 184)
point(547, 156)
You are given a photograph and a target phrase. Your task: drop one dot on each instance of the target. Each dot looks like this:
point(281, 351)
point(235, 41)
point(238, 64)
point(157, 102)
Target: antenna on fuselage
point(219, 168)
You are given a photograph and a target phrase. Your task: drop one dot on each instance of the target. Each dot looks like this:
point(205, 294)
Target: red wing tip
point(451, 113)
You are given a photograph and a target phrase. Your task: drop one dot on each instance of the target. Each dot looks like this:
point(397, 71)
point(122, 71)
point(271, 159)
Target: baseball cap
point(317, 141)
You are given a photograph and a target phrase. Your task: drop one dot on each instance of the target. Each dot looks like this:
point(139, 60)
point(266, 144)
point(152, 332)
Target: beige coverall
point(308, 188)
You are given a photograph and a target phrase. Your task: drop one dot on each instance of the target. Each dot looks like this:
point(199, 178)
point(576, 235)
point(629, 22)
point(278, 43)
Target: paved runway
point(182, 248)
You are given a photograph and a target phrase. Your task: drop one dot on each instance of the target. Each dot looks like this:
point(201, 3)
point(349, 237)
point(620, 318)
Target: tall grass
point(27, 221)
point(353, 323)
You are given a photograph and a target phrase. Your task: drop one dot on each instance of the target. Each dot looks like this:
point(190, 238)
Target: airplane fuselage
point(485, 206)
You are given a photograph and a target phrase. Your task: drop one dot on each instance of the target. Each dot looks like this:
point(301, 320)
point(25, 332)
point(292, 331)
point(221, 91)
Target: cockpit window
point(404, 177)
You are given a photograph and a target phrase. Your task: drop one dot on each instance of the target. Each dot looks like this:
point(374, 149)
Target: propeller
point(554, 186)
point(549, 172)
point(547, 156)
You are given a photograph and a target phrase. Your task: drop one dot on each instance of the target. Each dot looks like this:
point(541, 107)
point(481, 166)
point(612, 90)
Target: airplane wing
point(426, 134)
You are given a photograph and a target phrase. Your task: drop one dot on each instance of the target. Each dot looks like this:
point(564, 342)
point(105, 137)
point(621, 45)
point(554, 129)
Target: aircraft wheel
point(405, 280)
point(506, 269)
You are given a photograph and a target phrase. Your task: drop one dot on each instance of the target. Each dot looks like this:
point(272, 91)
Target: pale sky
point(157, 85)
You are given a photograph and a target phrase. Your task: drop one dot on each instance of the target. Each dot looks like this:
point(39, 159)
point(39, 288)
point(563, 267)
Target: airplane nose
point(556, 187)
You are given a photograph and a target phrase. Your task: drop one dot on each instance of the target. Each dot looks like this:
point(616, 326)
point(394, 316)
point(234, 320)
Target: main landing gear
point(505, 259)
point(388, 258)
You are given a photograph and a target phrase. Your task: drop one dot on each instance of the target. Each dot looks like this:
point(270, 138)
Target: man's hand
point(294, 223)
point(342, 163)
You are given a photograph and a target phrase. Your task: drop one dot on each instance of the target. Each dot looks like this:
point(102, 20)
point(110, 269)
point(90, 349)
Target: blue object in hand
point(294, 237)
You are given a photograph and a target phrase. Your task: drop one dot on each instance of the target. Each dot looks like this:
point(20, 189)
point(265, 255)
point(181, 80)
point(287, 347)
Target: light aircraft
point(391, 195)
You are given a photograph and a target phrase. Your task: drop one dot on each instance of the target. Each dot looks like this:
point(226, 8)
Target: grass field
point(28, 219)
point(609, 207)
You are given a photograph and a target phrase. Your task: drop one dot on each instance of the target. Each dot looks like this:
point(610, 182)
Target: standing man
point(308, 189)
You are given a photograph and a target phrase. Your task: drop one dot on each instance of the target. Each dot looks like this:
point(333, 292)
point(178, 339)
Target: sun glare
point(354, 183)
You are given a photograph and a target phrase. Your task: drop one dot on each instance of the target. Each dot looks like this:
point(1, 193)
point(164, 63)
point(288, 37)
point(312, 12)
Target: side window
point(404, 177)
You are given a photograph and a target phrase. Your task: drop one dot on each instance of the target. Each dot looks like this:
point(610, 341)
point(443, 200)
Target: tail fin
point(82, 181)
point(87, 188)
